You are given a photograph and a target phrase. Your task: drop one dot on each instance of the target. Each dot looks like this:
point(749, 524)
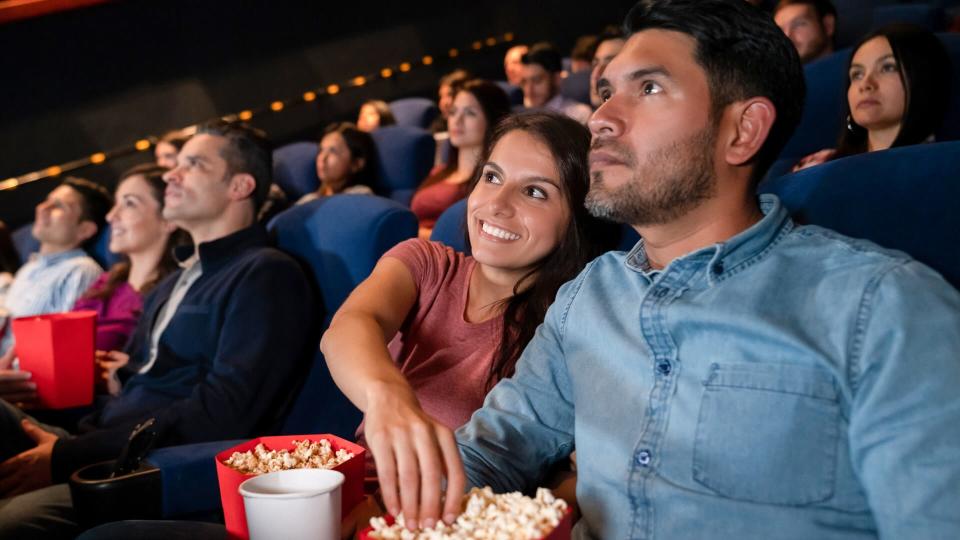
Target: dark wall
point(89, 80)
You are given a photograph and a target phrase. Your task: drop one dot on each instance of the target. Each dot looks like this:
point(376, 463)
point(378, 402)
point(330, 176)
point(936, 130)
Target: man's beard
point(671, 181)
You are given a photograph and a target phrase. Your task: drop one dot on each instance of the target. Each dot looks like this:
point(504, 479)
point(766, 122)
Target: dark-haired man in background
point(542, 71)
point(53, 279)
point(735, 375)
point(217, 353)
point(810, 25)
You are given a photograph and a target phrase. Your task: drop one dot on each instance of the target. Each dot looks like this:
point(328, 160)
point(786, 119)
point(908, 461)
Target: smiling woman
point(463, 321)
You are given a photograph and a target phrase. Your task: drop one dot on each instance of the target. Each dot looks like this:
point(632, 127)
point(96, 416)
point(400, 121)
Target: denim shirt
point(788, 383)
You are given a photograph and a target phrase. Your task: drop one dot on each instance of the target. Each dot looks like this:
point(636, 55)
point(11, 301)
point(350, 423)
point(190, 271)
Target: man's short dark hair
point(544, 55)
point(822, 7)
point(95, 199)
point(610, 32)
point(744, 55)
point(247, 151)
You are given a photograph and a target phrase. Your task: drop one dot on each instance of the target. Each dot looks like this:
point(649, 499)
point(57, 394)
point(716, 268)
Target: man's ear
point(242, 186)
point(752, 120)
point(86, 230)
point(829, 23)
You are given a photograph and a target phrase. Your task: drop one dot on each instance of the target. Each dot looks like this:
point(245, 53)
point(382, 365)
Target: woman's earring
point(850, 125)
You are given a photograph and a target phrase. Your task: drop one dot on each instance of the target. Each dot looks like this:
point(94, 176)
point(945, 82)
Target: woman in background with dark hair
point(464, 320)
point(898, 89)
point(476, 108)
point(346, 162)
point(375, 114)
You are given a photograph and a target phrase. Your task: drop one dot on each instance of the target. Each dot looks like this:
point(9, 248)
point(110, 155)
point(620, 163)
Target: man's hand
point(16, 386)
point(413, 453)
point(108, 362)
point(28, 470)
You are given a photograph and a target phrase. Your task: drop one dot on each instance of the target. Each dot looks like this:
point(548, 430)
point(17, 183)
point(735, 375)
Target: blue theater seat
point(927, 16)
point(24, 241)
point(339, 239)
point(576, 86)
point(414, 112)
point(820, 122)
point(903, 198)
point(450, 229)
point(295, 169)
point(514, 93)
point(99, 249)
point(406, 155)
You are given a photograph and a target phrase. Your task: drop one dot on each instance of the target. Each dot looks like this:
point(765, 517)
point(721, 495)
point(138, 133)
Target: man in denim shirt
point(735, 375)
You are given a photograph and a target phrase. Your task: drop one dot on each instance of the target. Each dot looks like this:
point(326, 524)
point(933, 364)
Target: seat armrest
point(188, 476)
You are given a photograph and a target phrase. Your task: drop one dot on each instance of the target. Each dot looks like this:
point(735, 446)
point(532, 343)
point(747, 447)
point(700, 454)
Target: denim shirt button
point(643, 458)
point(664, 367)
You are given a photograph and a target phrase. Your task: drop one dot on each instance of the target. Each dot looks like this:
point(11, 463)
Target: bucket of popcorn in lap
point(269, 454)
point(485, 515)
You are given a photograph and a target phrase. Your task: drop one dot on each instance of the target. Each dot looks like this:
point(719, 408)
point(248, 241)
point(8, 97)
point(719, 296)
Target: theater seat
point(295, 169)
point(406, 155)
point(820, 122)
point(903, 198)
point(26, 244)
point(576, 86)
point(514, 93)
point(450, 229)
point(339, 239)
point(24, 241)
point(924, 15)
point(414, 112)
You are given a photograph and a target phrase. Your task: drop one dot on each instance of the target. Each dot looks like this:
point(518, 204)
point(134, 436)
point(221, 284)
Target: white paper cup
point(293, 505)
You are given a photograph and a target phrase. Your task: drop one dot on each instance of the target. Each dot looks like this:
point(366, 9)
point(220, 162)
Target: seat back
point(24, 241)
point(576, 86)
point(340, 239)
point(414, 112)
point(99, 249)
point(514, 93)
point(450, 228)
point(295, 169)
point(903, 198)
point(820, 122)
point(924, 15)
point(405, 156)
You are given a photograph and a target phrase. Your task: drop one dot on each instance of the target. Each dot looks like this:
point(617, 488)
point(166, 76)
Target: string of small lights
point(308, 96)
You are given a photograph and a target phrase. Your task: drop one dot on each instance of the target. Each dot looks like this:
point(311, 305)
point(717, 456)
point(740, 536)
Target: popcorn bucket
point(230, 479)
point(561, 532)
point(57, 349)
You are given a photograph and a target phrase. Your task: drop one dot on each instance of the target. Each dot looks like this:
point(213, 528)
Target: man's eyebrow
point(648, 71)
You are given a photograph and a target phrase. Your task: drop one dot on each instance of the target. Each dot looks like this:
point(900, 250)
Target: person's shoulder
point(816, 158)
point(84, 264)
point(427, 249)
point(359, 189)
point(830, 256)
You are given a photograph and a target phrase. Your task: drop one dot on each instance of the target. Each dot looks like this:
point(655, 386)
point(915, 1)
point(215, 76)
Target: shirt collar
point(216, 252)
point(55, 258)
point(725, 257)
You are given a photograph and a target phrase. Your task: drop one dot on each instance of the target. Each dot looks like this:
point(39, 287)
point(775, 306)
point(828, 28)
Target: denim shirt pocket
point(768, 433)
